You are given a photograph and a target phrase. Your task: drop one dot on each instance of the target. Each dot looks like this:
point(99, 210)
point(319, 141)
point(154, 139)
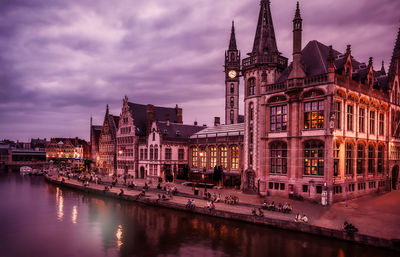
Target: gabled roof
point(139, 115)
point(176, 130)
point(221, 130)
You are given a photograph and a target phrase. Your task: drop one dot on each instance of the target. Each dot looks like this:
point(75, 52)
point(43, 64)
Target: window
point(234, 157)
point(213, 156)
point(360, 159)
point(151, 152)
point(338, 121)
point(155, 153)
point(381, 123)
point(203, 158)
point(251, 86)
point(194, 157)
point(336, 151)
point(350, 117)
point(319, 189)
point(232, 102)
point(251, 134)
point(181, 154)
point(349, 159)
point(314, 158)
point(270, 185)
point(223, 157)
point(372, 122)
point(282, 186)
point(371, 159)
point(145, 154)
point(361, 120)
point(168, 154)
point(232, 88)
point(232, 116)
point(380, 158)
point(279, 158)
point(351, 187)
point(251, 111)
point(305, 188)
point(141, 154)
point(276, 186)
point(154, 136)
point(278, 118)
point(337, 190)
point(314, 115)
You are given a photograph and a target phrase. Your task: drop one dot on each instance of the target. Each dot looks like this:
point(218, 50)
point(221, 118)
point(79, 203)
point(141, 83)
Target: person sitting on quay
point(304, 219)
point(350, 228)
point(146, 187)
point(254, 212)
point(159, 186)
point(280, 207)
point(121, 192)
point(271, 206)
point(131, 185)
point(106, 189)
point(260, 212)
point(298, 217)
point(164, 197)
point(174, 190)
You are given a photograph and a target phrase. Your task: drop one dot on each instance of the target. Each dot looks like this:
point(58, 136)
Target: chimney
point(167, 119)
point(149, 116)
point(195, 123)
point(179, 114)
point(217, 121)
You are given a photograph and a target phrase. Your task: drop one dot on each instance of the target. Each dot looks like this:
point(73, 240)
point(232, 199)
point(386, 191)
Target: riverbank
point(240, 212)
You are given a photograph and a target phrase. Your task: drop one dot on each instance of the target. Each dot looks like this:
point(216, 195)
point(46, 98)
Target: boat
point(25, 170)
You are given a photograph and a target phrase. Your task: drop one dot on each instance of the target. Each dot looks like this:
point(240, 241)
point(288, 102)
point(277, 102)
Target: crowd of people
point(300, 218)
point(285, 208)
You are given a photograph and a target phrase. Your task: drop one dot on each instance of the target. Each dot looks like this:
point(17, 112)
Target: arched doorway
point(249, 184)
point(142, 172)
point(395, 177)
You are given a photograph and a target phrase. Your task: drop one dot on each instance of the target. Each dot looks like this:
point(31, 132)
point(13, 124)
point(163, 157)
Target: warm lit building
point(95, 131)
point(220, 146)
point(67, 149)
point(324, 125)
point(107, 161)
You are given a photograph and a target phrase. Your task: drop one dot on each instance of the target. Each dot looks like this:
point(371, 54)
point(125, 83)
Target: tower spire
point(232, 41)
point(395, 58)
point(297, 70)
point(264, 40)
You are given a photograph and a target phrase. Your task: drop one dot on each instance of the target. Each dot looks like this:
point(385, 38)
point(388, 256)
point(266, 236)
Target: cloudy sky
point(63, 61)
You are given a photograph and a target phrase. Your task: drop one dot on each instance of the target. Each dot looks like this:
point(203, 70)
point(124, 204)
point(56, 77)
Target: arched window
point(151, 152)
point(155, 153)
point(371, 159)
point(251, 86)
point(251, 111)
point(194, 157)
point(381, 155)
point(314, 115)
point(234, 157)
point(232, 115)
point(213, 156)
point(203, 158)
point(336, 158)
point(278, 118)
point(279, 158)
point(251, 135)
point(232, 102)
point(223, 160)
point(349, 159)
point(232, 88)
point(360, 159)
point(314, 158)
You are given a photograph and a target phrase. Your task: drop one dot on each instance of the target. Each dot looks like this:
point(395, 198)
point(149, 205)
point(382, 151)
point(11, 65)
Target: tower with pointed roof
point(232, 69)
point(263, 66)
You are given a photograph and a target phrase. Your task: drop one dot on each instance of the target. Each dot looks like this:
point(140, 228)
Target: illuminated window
point(223, 157)
point(314, 158)
point(194, 157)
point(314, 115)
point(213, 156)
point(279, 158)
point(203, 158)
point(234, 157)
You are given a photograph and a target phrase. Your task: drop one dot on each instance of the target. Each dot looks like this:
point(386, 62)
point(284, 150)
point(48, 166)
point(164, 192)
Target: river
point(40, 219)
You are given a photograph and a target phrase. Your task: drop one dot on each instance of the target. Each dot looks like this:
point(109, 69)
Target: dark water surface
point(40, 219)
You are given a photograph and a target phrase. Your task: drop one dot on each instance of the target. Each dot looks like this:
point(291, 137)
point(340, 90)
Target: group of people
point(190, 204)
point(231, 199)
point(210, 205)
point(350, 228)
point(285, 208)
point(259, 214)
point(300, 218)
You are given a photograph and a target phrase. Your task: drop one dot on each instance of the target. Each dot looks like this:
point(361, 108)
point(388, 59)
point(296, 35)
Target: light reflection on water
point(107, 227)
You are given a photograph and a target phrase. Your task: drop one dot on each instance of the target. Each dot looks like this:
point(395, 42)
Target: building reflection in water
point(74, 214)
point(118, 235)
point(59, 204)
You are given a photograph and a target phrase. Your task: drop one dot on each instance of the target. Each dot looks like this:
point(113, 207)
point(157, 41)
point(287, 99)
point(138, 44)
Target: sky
point(62, 62)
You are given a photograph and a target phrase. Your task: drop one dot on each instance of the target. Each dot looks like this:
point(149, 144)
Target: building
point(95, 131)
point(134, 126)
point(107, 161)
point(164, 155)
point(322, 126)
point(217, 148)
point(67, 150)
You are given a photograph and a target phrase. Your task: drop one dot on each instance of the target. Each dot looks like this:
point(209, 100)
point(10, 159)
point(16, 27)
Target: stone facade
point(107, 144)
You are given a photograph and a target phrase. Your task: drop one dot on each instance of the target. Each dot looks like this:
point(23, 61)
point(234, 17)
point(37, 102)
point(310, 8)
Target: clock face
point(232, 74)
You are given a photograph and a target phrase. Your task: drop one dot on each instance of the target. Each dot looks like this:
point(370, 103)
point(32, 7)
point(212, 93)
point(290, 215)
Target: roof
point(97, 127)
point(139, 115)
point(315, 62)
point(176, 130)
point(221, 130)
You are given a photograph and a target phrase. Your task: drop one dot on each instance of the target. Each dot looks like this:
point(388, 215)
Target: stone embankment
point(241, 213)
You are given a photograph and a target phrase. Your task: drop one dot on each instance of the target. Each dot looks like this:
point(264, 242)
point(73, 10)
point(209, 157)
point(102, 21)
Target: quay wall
point(277, 223)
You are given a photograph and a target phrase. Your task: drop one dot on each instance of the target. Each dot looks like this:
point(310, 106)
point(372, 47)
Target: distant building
point(107, 161)
point(67, 149)
point(95, 131)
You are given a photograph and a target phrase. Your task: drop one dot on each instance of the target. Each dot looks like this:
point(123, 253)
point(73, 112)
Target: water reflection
point(59, 204)
point(118, 235)
point(74, 214)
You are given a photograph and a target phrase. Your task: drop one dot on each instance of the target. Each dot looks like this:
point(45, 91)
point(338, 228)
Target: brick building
point(107, 161)
point(326, 123)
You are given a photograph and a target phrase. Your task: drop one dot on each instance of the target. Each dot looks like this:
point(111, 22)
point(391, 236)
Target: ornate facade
point(108, 144)
point(324, 125)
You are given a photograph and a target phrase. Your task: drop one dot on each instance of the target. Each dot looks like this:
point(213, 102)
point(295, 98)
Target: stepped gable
point(139, 114)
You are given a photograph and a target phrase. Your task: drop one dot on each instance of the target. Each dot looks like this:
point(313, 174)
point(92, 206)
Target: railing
point(265, 59)
point(317, 79)
point(276, 87)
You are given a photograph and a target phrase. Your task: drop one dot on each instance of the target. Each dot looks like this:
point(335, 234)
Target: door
point(395, 177)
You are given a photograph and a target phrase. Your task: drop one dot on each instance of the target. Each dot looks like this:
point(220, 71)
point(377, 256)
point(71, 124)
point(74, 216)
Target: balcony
point(265, 60)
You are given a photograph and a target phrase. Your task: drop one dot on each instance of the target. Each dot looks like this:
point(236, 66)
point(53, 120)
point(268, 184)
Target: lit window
point(314, 158)
point(234, 157)
point(314, 115)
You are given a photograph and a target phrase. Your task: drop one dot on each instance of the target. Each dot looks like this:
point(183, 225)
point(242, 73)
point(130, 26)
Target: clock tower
point(232, 69)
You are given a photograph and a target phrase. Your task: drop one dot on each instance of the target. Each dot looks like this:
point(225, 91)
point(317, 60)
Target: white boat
point(25, 170)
